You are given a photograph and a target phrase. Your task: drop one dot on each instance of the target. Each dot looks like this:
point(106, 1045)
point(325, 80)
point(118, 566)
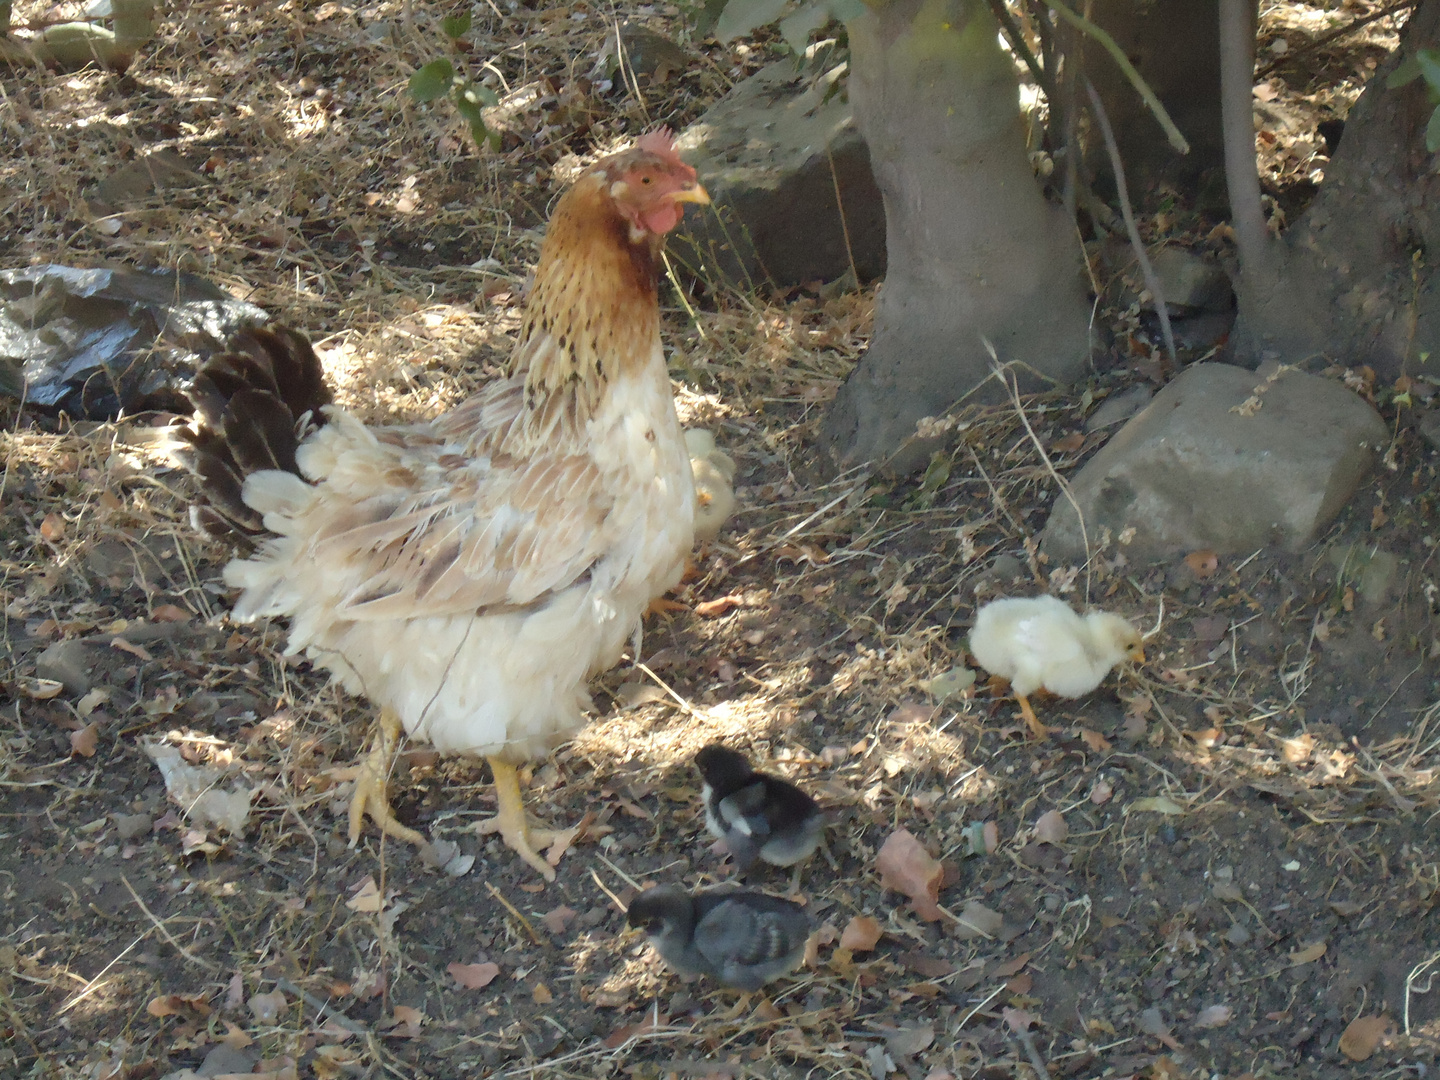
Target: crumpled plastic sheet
point(95, 343)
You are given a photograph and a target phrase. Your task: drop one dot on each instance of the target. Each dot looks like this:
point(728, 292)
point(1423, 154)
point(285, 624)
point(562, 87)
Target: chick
point(1040, 642)
point(741, 940)
point(714, 474)
point(759, 816)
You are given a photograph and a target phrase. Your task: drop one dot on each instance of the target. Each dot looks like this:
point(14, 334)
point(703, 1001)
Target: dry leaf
point(908, 868)
point(556, 921)
point(1094, 740)
point(1011, 967)
point(1152, 1023)
point(473, 976)
point(266, 1008)
point(1203, 563)
point(860, 934)
point(1213, 1016)
point(1017, 1020)
point(1051, 828)
point(40, 689)
point(52, 528)
point(407, 1022)
point(83, 742)
point(169, 613)
point(178, 1004)
point(235, 1036)
point(367, 898)
point(1363, 1035)
point(1068, 444)
point(1307, 954)
point(909, 1041)
point(541, 995)
point(719, 606)
point(1102, 791)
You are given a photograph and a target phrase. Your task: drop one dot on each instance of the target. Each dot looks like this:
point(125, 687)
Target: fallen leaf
point(908, 868)
point(620, 1036)
point(1068, 444)
point(83, 742)
point(909, 1041)
point(1017, 1020)
point(860, 934)
point(556, 921)
point(1203, 563)
point(39, 689)
point(1307, 954)
point(927, 966)
point(1097, 743)
point(266, 1008)
point(178, 1005)
point(367, 897)
point(719, 606)
point(473, 976)
point(52, 527)
point(169, 613)
point(1020, 984)
point(1157, 804)
point(1050, 828)
point(235, 1036)
point(1214, 1016)
point(1152, 1023)
point(408, 1020)
point(1012, 967)
point(541, 994)
point(1102, 791)
point(1363, 1035)
point(976, 920)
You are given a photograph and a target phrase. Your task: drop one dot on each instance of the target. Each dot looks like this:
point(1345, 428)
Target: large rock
point(765, 154)
point(1224, 458)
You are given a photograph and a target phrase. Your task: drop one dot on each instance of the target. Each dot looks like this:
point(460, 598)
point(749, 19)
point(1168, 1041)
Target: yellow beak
point(695, 194)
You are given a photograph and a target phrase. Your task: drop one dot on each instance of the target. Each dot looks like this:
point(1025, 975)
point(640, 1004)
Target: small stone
point(71, 663)
point(131, 826)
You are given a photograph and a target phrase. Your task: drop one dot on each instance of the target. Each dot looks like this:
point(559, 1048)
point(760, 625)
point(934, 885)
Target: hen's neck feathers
point(592, 313)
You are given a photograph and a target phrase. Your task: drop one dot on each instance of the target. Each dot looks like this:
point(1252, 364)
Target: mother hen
point(471, 573)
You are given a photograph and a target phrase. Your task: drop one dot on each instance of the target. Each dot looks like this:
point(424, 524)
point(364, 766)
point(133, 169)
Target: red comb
point(660, 140)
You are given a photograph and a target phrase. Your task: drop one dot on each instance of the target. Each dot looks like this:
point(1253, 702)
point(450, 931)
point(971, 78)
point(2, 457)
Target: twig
point(1118, 55)
point(1016, 38)
point(169, 937)
point(536, 938)
point(1033, 1053)
point(322, 1008)
point(1122, 193)
point(669, 690)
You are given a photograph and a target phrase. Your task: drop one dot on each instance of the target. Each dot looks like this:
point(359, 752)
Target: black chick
point(740, 939)
point(757, 815)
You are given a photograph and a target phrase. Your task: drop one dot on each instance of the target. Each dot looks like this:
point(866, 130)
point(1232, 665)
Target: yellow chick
point(1039, 642)
point(714, 473)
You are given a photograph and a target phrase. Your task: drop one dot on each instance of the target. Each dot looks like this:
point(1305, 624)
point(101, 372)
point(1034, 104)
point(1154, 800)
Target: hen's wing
point(406, 525)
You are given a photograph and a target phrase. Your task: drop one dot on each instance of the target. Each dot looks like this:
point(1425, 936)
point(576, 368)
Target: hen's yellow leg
point(1039, 730)
point(510, 821)
point(370, 795)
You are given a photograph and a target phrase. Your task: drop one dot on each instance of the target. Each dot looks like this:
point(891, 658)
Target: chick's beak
point(695, 193)
point(1137, 654)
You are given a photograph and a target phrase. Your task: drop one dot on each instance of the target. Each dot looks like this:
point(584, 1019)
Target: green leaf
point(847, 10)
point(707, 16)
point(742, 16)
point(1404, 75)
point(1432, 132)
point(1429, 62)
point(477, 93)
point(936, 474)
point(432, 80)
point(456, 25)
point(797, 28)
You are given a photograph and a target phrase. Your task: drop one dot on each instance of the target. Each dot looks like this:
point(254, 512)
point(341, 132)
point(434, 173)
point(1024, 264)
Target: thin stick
point(1152, 280)
point(1118, 55)
point(169, 937)
point(1033, 1053)
point(508, 906)
point(323, 1009)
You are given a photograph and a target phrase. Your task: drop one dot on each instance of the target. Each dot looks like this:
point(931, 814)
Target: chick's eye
point(646, 179)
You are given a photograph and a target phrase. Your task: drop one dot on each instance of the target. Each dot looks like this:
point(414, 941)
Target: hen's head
point(649, 184)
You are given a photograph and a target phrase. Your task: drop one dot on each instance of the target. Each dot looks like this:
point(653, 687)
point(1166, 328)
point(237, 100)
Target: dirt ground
point(1223, 864)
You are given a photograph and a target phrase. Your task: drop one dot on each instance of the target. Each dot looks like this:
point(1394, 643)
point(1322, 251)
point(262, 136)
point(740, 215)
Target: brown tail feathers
point(253, 404)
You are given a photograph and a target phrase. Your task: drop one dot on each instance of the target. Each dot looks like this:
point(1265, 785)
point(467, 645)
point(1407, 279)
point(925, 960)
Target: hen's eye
point(645, 179)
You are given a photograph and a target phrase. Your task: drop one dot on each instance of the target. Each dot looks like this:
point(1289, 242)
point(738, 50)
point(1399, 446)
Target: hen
point(469, 574)
point(1039, 642)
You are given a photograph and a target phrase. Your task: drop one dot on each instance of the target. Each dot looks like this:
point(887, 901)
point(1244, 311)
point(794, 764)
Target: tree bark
point(1354, 281)
point(975, 254)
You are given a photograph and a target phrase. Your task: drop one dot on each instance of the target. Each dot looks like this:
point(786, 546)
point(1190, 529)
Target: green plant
point(1425, 64)
point(440, 77)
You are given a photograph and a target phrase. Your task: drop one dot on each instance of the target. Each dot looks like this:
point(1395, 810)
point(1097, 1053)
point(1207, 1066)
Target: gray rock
point(1191, 282)
point(1224, 458)
point(70, 663)
point(1118, 407)
point(762, 154)
point(1430, 427)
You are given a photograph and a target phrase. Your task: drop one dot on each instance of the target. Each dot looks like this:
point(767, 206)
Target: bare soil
point(1246, 876)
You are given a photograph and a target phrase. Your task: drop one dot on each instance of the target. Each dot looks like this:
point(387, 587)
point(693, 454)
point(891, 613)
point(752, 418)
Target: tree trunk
point(1354, 282)
point(1175, 47)
point(975, 253)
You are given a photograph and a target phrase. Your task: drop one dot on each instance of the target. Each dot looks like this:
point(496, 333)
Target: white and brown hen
point(469, 574)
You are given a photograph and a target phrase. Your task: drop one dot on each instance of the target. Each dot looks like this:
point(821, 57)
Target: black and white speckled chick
point(757, 815)
point(740, 939)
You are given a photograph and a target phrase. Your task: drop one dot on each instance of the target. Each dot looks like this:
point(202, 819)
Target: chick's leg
point(1039, 730)
point(370, 795)
point(510, 821)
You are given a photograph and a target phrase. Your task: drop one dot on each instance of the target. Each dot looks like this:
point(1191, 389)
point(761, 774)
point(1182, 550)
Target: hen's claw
point(370, 787)
point(1039, 730)
point(512, 825)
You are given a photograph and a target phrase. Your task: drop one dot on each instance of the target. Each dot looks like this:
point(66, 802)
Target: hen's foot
point(370, 794)
point(512, 825)
point(1039, 730)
